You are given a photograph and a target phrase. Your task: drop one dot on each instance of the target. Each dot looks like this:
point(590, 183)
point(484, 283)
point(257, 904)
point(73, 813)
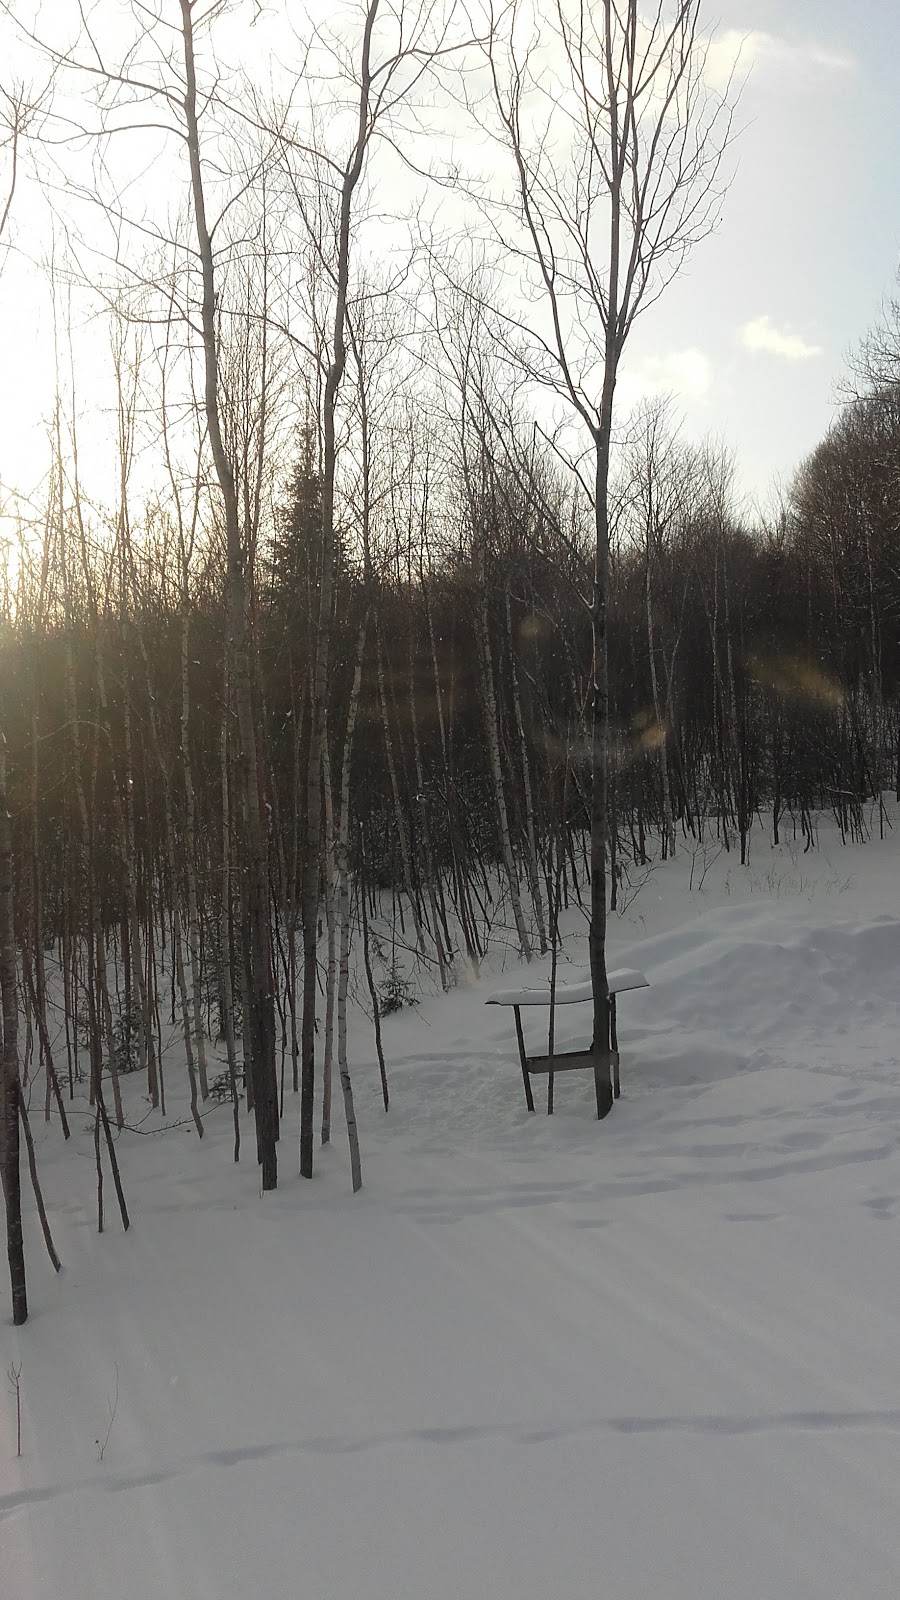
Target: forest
point(383, 638)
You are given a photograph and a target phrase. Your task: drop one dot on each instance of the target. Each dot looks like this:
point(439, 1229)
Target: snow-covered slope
point(651, 1357)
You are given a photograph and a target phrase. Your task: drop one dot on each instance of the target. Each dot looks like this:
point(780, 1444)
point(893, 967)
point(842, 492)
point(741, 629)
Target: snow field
point(651, 1357)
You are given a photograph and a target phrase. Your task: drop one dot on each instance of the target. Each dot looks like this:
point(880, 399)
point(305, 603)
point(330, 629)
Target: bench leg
point(614, 1045)
point(604, 1092)
point(550, 1094)
point(529, 1098)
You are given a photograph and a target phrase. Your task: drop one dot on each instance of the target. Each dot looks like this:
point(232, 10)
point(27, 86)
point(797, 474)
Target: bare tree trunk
point(668, 827)
point(342, 855)
point(319, 698)
point(421, 804)
point(600, 740)
point(370, 981)
point(297, 726)
point(190, 846)
point(330, 923)
point(399, 815)
point(343, 981)
point(99, 1011)
point(39, 1006)
point(36, 1183)
point(125, 808)
point(9, 1065)
point(492, 736)
point(175, 896)
point(259, 1003)
point(178, 958)
point(113, 1159)
point(534, 877)
point(225, 962)
point(36, 984)
point(147, 1042)
point(153, 997)
point(463, 904)
point(70, 991)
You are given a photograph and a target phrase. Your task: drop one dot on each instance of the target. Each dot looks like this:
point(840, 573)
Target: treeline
point(753, 674)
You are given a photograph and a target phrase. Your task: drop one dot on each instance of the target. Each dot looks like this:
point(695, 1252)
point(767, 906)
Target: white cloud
point(761, 334)
point(733, 52)
point(686, 373)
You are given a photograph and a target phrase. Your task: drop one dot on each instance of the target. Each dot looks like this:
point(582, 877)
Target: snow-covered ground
point(657, 1356)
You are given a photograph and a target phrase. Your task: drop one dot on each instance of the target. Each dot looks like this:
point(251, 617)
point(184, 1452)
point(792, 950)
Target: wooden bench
point(600, 1062)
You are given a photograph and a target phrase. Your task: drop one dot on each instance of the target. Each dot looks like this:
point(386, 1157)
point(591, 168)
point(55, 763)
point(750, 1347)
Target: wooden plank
point(529, 1098)
point(570, 1061)
point(603, 1091)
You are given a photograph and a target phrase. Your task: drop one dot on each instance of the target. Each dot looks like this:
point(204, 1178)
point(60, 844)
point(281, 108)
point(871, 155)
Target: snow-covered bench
point(598, 1062)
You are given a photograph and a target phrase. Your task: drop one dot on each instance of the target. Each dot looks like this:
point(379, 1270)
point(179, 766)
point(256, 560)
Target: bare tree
point(616, 142)
point(261, 999)
point(383, 78)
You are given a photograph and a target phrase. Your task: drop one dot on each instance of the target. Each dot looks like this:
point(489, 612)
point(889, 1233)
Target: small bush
point(220, 1087)
point(395, 993)
point(127, 1040)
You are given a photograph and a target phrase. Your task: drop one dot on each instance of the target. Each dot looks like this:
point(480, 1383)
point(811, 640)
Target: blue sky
point(757, 330)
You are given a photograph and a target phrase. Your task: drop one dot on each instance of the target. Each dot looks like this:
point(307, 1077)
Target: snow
point(652, 1357)
point(570, 993)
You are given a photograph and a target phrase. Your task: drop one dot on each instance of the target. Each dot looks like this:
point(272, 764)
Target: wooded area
point(367, 626)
